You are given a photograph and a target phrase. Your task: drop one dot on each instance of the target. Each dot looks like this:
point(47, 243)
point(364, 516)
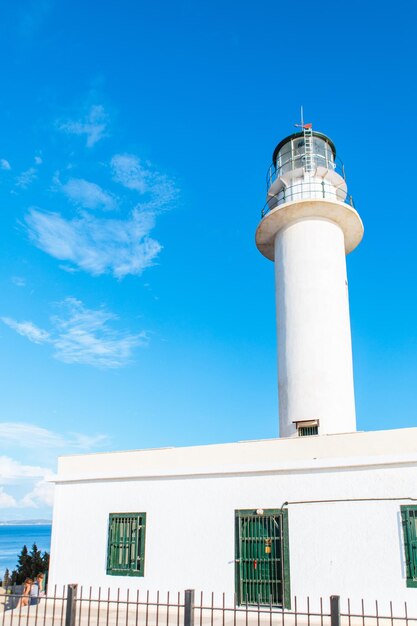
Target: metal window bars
point(73, 606)
point(126, 544)
point(307, 431)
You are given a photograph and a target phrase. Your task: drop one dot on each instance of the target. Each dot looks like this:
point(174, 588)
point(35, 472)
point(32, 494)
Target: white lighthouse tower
point(308, 226)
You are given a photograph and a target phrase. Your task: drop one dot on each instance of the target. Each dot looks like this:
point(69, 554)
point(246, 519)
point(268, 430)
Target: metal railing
point(299, 161)
point(306, 190)
point(75, 606)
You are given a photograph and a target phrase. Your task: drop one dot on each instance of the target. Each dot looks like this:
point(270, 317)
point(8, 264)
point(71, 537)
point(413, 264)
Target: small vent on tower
point(306, 431)
point(306, 428)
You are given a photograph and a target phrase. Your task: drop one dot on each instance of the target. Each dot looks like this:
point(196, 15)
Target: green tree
point(23, 557)
point(45, 562)
point(29, 565)
point(36, 562)
point(6, 578)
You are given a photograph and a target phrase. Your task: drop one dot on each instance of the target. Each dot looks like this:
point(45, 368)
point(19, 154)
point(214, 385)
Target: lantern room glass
point(292, 155)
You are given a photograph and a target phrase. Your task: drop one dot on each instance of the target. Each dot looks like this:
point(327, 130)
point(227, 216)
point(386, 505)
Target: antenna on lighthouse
point(302, 125)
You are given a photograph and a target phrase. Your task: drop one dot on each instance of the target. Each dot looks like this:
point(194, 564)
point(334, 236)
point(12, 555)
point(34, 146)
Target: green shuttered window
point(262, 557)
point(126, 544)
point(409, 520)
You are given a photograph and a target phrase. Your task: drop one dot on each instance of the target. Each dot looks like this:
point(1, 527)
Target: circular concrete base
point(338, 212)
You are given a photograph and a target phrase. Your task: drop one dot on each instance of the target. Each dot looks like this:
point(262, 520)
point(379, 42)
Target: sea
point(13, 538)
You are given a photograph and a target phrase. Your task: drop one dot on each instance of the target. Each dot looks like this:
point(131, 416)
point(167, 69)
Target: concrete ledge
point(304, 454)
point(340, 213)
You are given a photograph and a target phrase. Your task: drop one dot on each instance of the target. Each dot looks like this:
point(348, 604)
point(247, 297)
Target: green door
point(262, 572)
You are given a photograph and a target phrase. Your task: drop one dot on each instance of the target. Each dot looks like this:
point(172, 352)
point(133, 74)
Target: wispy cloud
point(94, 125)
point(26, 178)
point(38, 160)
point(28, 485)
point(87, 442)
point(83, 336)
point(97, 245)
point(5, 165)
point(131, 172)
point(31, 436)
point(87, 195)
point(28, 330)
point(19, 281)
point(106, 245)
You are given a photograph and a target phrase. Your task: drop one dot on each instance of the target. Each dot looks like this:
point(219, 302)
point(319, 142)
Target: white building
point(324, 509)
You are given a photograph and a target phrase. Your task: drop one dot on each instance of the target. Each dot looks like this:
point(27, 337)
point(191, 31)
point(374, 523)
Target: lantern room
point(290, 153)
point(304, 165)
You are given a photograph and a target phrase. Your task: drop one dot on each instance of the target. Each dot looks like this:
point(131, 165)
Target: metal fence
point(73, 606)
point(299, 161)
point(307, 190)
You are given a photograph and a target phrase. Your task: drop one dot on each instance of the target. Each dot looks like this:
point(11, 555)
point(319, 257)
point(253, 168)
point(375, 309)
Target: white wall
point(315, 374)
point(351, 549)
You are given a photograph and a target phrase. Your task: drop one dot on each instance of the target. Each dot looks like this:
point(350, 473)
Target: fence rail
point(306, 190)
point(78, 606)
point(299, 161)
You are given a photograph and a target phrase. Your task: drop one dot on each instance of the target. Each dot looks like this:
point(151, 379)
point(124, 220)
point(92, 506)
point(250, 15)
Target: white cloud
point(28, 330)
point(12, 471)
point(31, 436)
point(86, 442)
point(129, 171)
point(5, 165)
point(68, 268)
point(34, 477)
point(38, 160)
point(6, 501)
point(97, 245)
point(93, 125)
point(101, 245)
point(29, 486)
point(41, 494)
point(19, 281)
point(84, 336)
point(26, 178)
point(88, 195)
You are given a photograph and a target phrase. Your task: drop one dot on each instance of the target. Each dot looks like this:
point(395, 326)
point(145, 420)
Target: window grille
point(262, 573)
point(409, 520)
point(126, 544)
point(305, 431)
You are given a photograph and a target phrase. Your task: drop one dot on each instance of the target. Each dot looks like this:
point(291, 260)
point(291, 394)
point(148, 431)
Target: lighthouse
point(307, 227)
point(260, 522)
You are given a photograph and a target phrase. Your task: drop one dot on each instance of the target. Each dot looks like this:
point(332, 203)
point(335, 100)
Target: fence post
point(188, 608)
point(71, 599)
point(334, 610)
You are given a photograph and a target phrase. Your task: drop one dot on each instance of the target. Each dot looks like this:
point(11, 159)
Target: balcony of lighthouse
point(305, 167)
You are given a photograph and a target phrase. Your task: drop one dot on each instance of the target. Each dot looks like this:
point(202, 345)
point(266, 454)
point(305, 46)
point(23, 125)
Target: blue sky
point(134, 141)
